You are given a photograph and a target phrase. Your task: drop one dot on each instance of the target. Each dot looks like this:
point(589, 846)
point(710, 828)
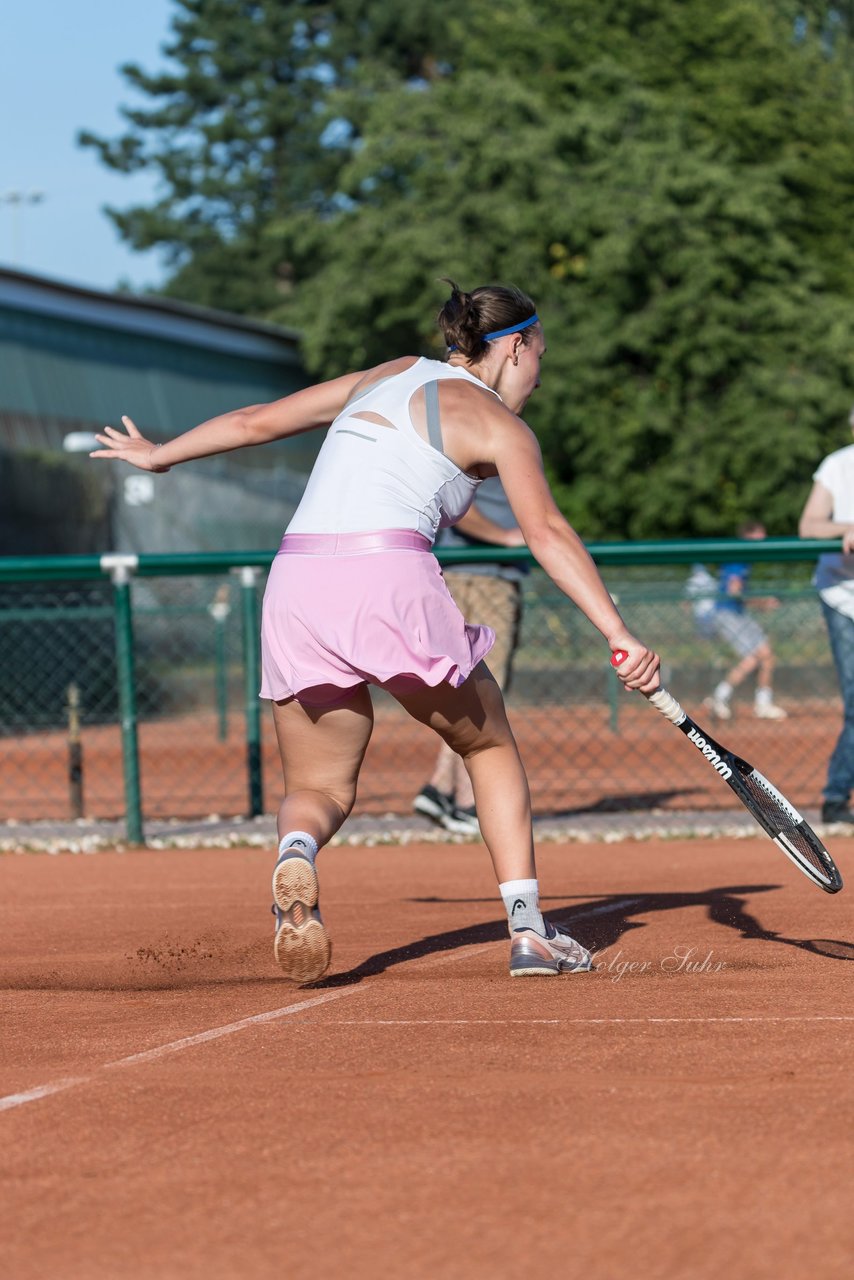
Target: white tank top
point(369, 477)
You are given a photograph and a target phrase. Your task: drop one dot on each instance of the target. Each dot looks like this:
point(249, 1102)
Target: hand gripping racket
point(771, 810)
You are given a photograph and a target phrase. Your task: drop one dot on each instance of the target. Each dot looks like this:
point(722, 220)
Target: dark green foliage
point(673, 184)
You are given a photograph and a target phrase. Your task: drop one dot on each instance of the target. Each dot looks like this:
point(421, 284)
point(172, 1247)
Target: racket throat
point(707, 750)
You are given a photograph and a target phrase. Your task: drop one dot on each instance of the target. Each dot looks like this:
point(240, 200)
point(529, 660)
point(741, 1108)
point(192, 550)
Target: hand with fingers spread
point(131, 447)
point(637, 666)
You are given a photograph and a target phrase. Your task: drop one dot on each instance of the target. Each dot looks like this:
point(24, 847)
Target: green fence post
point(120, 569)
point(252, 682)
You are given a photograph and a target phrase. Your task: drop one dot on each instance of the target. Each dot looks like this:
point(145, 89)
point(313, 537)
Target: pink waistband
point(353, 544)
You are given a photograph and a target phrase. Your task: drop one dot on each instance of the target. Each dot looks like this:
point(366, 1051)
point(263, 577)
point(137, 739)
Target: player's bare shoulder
point(464, 402)
point(474, 420)
point(380, 372)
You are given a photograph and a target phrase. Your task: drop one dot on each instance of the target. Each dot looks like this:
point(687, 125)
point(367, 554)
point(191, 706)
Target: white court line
point(43, 1091)
point(560, 1022)
point(176, 1046)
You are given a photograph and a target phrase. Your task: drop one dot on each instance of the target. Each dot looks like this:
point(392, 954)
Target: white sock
point(764, 697)
point(305, 844)
point(724, 691)
point(521, 899)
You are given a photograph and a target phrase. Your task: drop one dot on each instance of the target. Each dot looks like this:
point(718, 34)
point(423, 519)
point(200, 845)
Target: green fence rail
point(141, 641)
point(716, 550)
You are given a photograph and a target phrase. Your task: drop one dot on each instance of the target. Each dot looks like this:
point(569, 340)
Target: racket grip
point(661, 699)
point(667, 705)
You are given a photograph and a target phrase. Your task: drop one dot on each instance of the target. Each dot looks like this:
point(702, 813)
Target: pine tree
point(238, 135)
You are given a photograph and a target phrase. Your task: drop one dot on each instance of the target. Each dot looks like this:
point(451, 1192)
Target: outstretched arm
point(256, 424)
point(560, 551)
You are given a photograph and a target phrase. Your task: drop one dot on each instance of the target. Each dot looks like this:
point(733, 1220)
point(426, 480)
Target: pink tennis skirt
point(342, 610)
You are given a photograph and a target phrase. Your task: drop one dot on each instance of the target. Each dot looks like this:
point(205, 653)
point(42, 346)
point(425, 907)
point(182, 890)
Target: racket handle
point(661, 699)
point(667, 705)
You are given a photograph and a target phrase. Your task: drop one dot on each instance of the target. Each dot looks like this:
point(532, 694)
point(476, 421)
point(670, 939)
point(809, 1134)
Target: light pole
point(15, 199)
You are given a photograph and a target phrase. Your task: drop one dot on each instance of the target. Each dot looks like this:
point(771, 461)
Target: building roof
point(146, 314)
point(73, 358)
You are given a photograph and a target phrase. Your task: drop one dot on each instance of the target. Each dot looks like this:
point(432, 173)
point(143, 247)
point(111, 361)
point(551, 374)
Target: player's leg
point(321, 750)
point(472, 720)
point(449, 790)
point(496, 601)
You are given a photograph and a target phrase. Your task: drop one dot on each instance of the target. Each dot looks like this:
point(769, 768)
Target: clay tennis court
point(170, 1108)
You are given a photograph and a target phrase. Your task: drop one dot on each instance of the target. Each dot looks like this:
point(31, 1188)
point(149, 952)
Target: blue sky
point(59, 63)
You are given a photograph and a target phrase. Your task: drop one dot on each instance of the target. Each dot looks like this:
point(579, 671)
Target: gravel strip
point(215, 832)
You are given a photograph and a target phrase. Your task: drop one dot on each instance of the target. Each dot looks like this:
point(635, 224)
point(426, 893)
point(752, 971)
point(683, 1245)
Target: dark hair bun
point(467, 318)
point(460, 323)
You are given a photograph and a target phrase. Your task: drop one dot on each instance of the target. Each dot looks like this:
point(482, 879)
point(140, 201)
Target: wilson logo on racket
point(709, 752)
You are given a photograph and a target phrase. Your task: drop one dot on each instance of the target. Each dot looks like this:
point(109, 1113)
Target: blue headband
point(514, 328)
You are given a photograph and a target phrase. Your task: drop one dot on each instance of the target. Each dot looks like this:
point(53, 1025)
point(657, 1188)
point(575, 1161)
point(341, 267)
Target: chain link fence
point(128, 689)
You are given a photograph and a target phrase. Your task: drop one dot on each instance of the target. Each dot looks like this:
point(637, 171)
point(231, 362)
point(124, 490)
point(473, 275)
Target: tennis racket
point(771, 810)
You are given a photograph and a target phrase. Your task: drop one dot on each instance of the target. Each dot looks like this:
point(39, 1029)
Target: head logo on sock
point(517, 903)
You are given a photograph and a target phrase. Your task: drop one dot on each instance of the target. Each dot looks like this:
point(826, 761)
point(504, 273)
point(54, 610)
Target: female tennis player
point(355, 596)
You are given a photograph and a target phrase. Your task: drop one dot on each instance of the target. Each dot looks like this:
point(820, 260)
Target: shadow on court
point(599, 924)
point(210, 959)
point(637, 802)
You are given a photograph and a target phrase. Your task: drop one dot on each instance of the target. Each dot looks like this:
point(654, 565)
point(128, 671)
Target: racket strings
point(780, 818)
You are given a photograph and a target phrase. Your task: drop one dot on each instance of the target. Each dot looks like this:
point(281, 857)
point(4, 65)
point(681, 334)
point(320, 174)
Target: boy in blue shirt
point(731, 623)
